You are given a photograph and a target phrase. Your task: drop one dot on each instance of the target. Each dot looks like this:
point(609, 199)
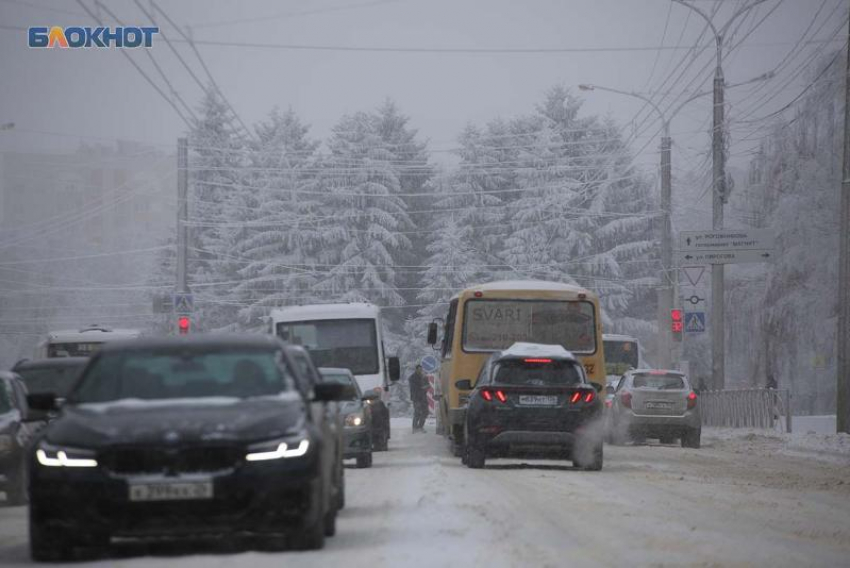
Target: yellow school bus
point(492, 317)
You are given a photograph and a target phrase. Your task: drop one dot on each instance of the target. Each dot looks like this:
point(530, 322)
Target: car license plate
point(171, 491)
point(659, 405)
point(538, 400)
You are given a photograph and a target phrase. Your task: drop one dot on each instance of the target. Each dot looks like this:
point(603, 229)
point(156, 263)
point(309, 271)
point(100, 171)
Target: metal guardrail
point(746, 408)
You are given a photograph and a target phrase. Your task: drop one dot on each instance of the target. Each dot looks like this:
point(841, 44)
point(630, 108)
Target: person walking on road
point(418, 384)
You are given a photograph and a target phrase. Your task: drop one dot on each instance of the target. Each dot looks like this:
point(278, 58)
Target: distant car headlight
point(354, 420)
point(52, 456)
point(279, 449)
point(5, 442)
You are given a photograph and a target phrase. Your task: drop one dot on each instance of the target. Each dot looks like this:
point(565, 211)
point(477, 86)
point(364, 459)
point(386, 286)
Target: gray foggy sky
point(97, 93)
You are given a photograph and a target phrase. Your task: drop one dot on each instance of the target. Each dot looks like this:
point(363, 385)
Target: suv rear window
point(520, 373)
point(660, 382)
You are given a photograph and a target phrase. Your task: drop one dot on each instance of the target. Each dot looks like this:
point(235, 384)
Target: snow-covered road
point(739, 501)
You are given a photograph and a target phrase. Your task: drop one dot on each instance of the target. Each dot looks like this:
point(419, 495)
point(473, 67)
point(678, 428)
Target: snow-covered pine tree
point(281, 243)
point(216, 165)
point(367, 215)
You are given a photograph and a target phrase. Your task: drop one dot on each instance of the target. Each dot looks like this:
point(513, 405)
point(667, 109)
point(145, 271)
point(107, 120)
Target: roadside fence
point(746, 408)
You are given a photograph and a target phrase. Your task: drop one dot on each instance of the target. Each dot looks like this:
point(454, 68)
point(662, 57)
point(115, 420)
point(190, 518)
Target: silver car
point(654, 403)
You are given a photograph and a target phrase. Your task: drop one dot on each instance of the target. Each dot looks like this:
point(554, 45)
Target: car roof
point(50, 363)
point(200, 341)
point(655, 372)
point(351, 310)
point(522, 350)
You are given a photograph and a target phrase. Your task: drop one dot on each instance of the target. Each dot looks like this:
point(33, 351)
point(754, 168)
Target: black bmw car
point(185, 436)
point(535, 400)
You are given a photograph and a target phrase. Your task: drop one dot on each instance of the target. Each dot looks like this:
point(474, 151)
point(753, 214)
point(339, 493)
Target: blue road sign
point(694, 322)
point(183, 303)
point(429, 363)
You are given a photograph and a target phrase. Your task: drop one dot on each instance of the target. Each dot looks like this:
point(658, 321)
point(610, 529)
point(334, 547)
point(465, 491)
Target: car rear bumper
point(356, 442)
point(689, 421)
point(260, 498)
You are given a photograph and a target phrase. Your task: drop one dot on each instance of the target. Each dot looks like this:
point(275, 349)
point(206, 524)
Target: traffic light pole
point(181, 286)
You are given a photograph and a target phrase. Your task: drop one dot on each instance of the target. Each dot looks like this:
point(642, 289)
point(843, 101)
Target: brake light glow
point(626, 399)
point(501, 396)
point(575, 398)
point(537, 360)
point(589, 397)
point(498, 394)
point(487, 395)
point(692, 399)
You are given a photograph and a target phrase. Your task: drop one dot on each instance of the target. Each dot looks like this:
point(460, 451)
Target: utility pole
point(181, 286)
point(719, 194)
point(718, 184)
point(843, 367)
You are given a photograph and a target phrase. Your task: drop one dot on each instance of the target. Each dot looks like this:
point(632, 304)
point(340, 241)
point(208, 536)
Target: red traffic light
point(676, 323)
point(183, 323)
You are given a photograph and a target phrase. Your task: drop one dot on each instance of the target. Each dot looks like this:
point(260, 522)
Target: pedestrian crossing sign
point(695, 322)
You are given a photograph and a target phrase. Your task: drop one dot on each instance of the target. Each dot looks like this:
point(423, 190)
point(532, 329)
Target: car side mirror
point(432, 333)
point(42, 402)
point(395, 368)
point(371, 395)
point(464, 384)
point(329, 392)
point(597, 386)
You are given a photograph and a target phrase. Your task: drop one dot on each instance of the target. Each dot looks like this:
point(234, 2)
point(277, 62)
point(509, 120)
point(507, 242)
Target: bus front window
point(492, 325)
point(349, 343)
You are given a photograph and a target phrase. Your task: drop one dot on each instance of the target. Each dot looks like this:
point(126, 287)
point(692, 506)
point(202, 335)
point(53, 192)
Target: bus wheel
point(457, 442)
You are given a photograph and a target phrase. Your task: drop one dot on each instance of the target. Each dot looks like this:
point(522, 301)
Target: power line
point(139, 69)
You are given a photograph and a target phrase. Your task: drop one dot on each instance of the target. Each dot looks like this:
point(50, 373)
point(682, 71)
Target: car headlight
point(354, 420)
point(53, 456)
point(278, 449)
point(5, 442)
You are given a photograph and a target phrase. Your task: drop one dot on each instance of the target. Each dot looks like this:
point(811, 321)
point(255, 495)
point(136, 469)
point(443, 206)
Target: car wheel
point(589, 460)
point(340, 496)
point(329, 524)
point(364, 461)
point(16, 492)
point(312, 537)
point(475, 457)
point(691, 438)
point(46, 546)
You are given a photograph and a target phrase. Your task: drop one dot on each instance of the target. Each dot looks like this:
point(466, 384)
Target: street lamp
point(666, 299)
point(718, 178)
point(666, 295)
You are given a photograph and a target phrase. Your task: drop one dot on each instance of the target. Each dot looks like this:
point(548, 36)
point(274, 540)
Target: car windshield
point(343, 379)
point(659, 382)
point(346, 343)
point(5, 397)
point(521, 373)
point(152, 375)
point(56, 379)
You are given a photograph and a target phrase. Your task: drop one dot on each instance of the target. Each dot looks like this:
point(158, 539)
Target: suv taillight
point(579, 396)
point(692, 399)
point(626, 399)
point(499, 395)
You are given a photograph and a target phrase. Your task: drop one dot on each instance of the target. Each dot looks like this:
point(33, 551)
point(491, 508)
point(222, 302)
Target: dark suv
point(185, 436)
point(533, 399)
